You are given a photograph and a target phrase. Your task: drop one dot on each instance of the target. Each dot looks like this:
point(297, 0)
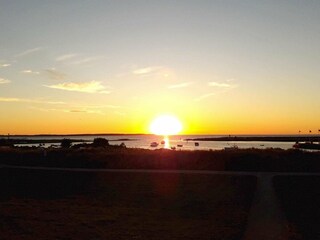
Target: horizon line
point(119, 134)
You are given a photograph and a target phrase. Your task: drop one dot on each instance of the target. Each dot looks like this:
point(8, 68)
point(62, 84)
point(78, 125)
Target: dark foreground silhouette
point(269, 160)
point(44, 204)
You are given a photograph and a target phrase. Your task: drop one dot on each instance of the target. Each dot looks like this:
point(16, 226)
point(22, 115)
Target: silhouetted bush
point(66, 143)
point(5, 143)
point(273, 160)
point(100, 142)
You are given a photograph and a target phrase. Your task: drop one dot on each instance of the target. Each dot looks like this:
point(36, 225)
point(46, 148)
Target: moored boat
point(233, 147)
point(154, 144)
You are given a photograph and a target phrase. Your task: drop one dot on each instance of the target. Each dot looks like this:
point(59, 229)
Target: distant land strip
point(260, 138)
point(72, 135)
point(38, 141)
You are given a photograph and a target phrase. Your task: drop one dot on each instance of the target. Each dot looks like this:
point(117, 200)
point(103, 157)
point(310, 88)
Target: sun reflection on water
point(166, 142)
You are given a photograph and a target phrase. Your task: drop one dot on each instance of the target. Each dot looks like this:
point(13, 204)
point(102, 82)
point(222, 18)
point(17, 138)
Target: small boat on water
point(154, 144)
point(163, 142)
point(179, 145)
point(196, 144)
point(233, 147)
point(307, 145)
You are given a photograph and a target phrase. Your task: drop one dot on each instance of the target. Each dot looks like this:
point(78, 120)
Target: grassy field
point(272, 160)
point(86, 205)
point(300, 199)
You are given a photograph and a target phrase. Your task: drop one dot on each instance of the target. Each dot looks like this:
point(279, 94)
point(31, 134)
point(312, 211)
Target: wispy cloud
point(86, 111)
point(27, 100)
point(54, 74)
point(204, 96)
point(87, 87)
point(87, 60)
point(103, 106)
point(3, 65)
point(146, 70)
point(89, 109)
point(29, 51)
point(180, 85)
point(65, 110)
point(77, 111)
point(4, 81)
point(28, 71)
point(227, 84)
point(2, 99)
point(216, 84)
point(66, 57)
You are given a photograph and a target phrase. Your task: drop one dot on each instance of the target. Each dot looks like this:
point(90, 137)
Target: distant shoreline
point(34, 139)
point(72, 135)
point(259, 138)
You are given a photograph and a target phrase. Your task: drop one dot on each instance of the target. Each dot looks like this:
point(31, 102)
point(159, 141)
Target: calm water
point(143, 141)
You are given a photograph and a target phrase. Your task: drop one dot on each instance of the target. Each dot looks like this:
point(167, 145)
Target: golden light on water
point(166, 142)
point(165, 125)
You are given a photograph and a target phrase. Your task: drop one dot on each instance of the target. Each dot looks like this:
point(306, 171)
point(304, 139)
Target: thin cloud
point(86, 111)
point(28, 71)
point(77, 111)
point(66, 110)
point(66, 57)
point(180, 85)
point(4, 81)
point(3, 65)
point(54, 74)
point(222, 85)
point(204, 96)
point(103, 106)
point(86, 87)
point(87, 60)
point(216, 84)
point(27, 100)
point(2, 99)
point(29, 51)
point(146, 70)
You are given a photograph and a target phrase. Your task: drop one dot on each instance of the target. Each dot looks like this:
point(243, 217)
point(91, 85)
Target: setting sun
point(165, 125)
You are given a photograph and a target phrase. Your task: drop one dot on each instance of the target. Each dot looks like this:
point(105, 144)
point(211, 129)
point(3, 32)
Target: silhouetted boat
point(154, 144)
point(163, 142)
point(179, 145)
point(307, 145)
point(196, 144)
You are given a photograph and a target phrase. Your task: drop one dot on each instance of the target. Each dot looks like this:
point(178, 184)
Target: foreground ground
point(38, 204)
point(45, 204)
point(300, 198)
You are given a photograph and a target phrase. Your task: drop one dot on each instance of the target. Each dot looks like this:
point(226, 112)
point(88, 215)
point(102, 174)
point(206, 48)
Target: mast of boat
point(310, 136)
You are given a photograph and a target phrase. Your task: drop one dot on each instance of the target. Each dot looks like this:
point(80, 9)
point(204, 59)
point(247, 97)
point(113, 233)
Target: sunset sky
point(99, 66)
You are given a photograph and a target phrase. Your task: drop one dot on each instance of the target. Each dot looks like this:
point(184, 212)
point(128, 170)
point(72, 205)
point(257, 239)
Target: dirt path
point(266, 219)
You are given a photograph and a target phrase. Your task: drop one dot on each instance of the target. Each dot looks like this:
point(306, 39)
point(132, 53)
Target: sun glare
point(165, 125)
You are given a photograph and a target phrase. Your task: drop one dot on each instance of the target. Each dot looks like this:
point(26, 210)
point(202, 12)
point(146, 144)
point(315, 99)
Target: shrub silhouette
point(100, 142)
point(66, 143)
